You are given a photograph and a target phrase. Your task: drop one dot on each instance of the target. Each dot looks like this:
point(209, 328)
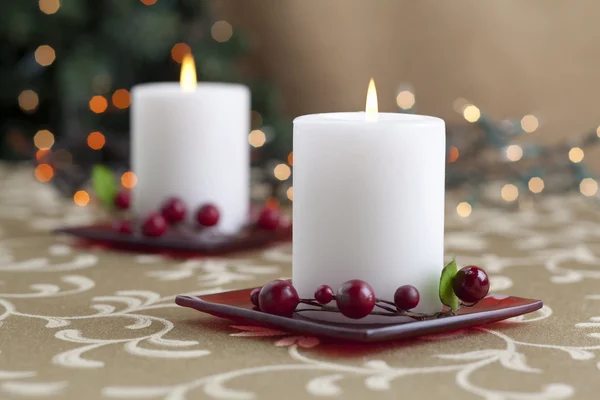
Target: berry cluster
point(174, 211)
point(356, 299)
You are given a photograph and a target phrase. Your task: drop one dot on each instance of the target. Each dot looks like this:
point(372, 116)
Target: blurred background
point(515, 81)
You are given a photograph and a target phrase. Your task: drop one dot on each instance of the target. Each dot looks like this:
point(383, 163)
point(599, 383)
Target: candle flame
point(188, 73)
point(371, 108)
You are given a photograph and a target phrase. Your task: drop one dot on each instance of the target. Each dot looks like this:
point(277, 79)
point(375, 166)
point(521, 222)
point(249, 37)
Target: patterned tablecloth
point(83, 323)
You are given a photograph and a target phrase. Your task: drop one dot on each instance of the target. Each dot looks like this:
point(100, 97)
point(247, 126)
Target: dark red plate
point(236, 305)
point(203, 242)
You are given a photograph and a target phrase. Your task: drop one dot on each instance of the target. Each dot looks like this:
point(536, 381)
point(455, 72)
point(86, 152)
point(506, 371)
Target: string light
point(96, 140)
point(121, 98)
point(98, 104)
point(405, 99)
point(221, 31)
point(536, 184)
point(471, 113)
point(576, 155)
point(529, 123)
point(282, 172)
point(44, 55)
point(509, 192)
point(148, 2)
point(43, 139)
point(44, 172)
point(588, 187)
point(257, 138)
point(128, 180)
point(290, 193)
point(464, 209)
point(49, 6)
point(180, 50)
point(81, 198)
point(291, 158)
point(514, 152)
point(28, 100)
point(453, 154)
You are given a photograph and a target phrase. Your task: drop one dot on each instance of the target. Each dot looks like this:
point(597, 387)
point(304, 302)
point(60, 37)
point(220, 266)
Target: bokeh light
point(96, 140)
point(42, 154)
point(291, 158)
point(49, 6)
point(405, 99)
point(256, 119)
point(588, 187)
point(536, 184)
point(471, 113)
point(43, 139)
point(598, 131)
point(44, 172)
point(290, 193)
point(576, 155)
point(514, 152)
point(453, 154)
point(257, 138)
point(180, 50)
point(464, 209)
point(509, 192)
point(44, 55)
point(98, 104)
point(148, 2)
point(121, 98)
point(128, 180)
point(81, 198)
point(28, 100)
point(529, 123)
point(221, 31)
point(282, 172)
point(272, 203)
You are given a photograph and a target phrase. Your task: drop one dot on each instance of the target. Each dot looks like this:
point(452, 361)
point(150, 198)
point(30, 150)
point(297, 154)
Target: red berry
point(355, 299)
point(254, 296)
point(123, 199)
point(207, 215)
point(174, 210)
point(471, 284)
point(268, 219)
point(324, 294)
point(124, 227)
point(406, 297)
point(155, 225)
point(278, 297)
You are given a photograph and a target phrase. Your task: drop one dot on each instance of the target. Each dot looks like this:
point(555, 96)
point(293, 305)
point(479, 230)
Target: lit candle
point(369, 203)
point(190, 140)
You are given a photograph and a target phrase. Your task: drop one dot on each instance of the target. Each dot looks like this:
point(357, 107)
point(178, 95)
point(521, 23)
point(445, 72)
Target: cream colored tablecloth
point(81, 323)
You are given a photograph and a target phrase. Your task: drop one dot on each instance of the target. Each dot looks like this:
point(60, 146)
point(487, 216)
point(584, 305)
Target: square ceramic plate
point(236, 305)
point(203, 242)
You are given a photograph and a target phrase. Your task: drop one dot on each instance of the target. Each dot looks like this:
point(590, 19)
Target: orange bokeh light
point(128, 180)
point(121, 98)
point(179, 51)
point(98, 104)
point(42, 153)
point(291, 158)
point(81, 198)
point(44, 172)
point(148, 2)
point(272, 202)
point(453, 154)
point(96, 140)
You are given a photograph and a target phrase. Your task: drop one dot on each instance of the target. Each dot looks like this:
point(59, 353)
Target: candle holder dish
point(237, 306)
point(208, 241)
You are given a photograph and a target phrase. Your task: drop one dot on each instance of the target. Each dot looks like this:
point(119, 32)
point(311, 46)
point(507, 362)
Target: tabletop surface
point(90, 323)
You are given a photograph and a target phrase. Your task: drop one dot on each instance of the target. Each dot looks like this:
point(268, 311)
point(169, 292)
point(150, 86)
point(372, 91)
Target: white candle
point(192, 142)
point(369, 204)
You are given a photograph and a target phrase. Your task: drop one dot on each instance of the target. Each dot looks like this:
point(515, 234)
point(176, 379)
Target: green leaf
point(447, 295)
point(104, 185)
